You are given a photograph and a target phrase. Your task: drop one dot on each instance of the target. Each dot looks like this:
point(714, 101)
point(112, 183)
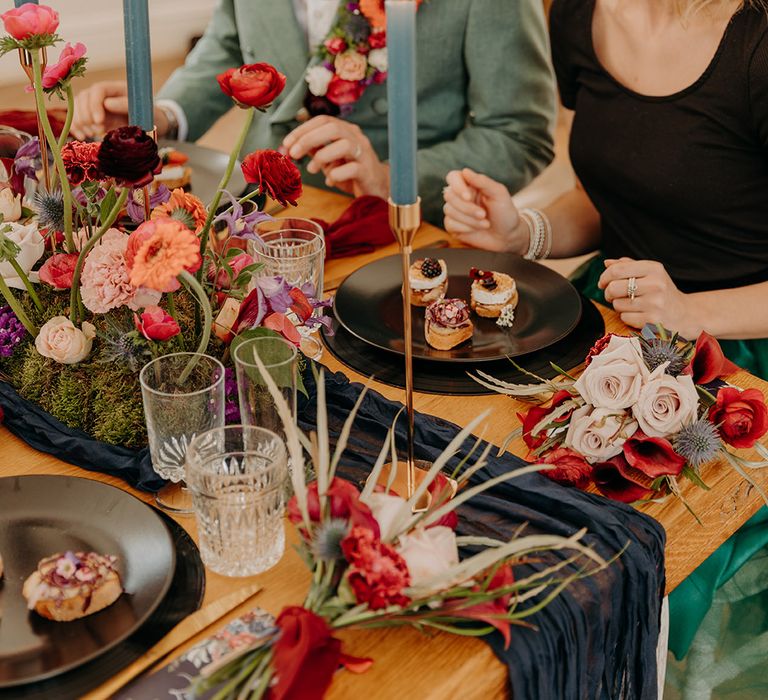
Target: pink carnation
point(105, 283)
point(60, 70)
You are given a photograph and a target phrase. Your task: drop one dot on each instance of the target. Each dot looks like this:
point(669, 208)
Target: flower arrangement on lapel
point(93, 284)
point(647, 411)
point(351, 58)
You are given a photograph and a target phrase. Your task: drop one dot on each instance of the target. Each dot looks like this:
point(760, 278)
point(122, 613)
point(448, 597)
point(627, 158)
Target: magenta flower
point(60, 72)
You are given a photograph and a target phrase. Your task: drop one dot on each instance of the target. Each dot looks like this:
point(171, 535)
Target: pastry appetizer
point(175, 172)
point(68, 586)
point(491, 292)
point(429, 281)
point(447, 323)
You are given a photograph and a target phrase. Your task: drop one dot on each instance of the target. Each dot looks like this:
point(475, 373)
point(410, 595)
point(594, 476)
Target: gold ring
point(632, 288)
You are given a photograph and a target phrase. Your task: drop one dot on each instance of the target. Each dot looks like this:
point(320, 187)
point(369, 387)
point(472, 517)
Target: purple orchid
point(135, 208)
point(27, 160)
point(277, 292)
point(239, 224)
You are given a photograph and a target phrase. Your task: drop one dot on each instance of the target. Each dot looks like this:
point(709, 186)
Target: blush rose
point(666, 403)
point(61, 341)
point(599, 433)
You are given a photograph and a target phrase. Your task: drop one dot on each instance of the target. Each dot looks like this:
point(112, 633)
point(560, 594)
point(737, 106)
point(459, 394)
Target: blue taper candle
point(401, 96)
point(19, 3)
point(138, 63)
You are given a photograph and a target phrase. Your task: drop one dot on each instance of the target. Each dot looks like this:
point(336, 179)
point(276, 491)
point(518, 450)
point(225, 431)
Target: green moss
point(70, 399)
point(118, 414)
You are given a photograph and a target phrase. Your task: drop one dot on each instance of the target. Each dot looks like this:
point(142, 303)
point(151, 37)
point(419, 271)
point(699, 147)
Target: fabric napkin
point(363, 227)
point(26, 120)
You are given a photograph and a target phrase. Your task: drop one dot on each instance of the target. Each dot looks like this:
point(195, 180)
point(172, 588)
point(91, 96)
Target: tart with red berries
point(175, 172)
point(447, 323)
point(492, 292)
point(71, 585)
point(428, 279)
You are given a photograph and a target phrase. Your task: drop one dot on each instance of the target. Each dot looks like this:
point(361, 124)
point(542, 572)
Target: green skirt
point(690, 601)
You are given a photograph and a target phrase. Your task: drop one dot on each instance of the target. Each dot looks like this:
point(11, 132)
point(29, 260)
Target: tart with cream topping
point(447, 323)
point(175, 172)
point(492, 292)
point(72, 585)
point(428, 279)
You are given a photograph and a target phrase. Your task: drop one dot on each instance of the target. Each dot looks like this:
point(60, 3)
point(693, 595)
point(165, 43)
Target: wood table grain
point(441, 666)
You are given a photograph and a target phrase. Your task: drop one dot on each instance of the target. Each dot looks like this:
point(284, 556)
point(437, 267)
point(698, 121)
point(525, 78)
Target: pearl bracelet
point(540, 234)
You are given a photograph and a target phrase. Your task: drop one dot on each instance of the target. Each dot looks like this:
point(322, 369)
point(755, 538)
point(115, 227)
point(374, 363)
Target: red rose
point(81, 161)
point(616, 479)
point(741, 417)
point(344, 504)
point(709, 362)
point(275, 174)
point(377, 573)
point(129, 155)
point(59, 270)
point(155, 324)
point(653, 456)
point(335, 45)
point(537, 414)
point(378, 40)
point(253, 85)
point(59, 71)
point(571, 469)
point(30, 20)
point(344, 92)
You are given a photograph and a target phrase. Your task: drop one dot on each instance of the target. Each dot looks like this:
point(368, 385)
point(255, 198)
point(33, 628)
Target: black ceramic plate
point(439, 378)
point(42, 515)
point(369, 305)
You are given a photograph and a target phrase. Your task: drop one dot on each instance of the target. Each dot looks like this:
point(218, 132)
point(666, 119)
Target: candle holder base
point(400, 482)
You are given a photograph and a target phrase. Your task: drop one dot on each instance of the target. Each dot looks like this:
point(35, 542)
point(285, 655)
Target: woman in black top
point(670, 145)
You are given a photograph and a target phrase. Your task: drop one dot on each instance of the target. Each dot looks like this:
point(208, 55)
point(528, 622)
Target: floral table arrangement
point(96, 281)
point(647, 411)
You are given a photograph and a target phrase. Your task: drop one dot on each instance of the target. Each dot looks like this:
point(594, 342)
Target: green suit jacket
point(485, 88)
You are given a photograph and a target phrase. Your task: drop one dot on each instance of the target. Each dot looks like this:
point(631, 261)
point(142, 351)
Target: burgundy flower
point(129, 155)
point(571, 469)
point(709, 362)
point(536, 414)
point(253, 85)
point(653, 456)
point(740, 416)
point(616, 479)
point(81, 161)
point(275, 174)
point(59, 269)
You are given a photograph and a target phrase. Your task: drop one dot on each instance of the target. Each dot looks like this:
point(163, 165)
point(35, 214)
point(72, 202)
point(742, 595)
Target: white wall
point(99, 25)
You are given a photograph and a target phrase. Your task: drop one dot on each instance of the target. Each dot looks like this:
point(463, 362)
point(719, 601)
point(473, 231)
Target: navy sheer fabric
point(597, 640)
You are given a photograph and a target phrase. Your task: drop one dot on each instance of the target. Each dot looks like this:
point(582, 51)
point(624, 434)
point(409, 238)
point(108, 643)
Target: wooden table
point(407, 663)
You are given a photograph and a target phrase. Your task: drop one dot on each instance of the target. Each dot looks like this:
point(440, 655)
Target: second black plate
point(369, 305)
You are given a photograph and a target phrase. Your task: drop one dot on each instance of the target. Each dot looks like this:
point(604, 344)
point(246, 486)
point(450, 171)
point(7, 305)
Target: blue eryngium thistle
point(49, 207)
point(327, 542)
point(657, 351)
point(698, 442)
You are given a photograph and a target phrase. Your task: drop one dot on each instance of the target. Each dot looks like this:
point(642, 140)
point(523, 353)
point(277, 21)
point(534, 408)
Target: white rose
point(378, 59)
point(615, 377)
point(666, 403)
point(598, 434)
point(391, 512)
point(10, 205)
point(429, 553)
point(32, 247)
point(61, 341)
point(317, 78)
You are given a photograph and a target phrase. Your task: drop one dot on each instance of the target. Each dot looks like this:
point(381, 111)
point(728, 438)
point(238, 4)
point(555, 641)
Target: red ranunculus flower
point(129, 155)
point(741, 417)
point(344, 504)
point(377, 573)
point(59, 270)
point(81, 161)
point(155, 324)
point(709, 362)
point(275, 174)
point(344, 92)
point(30, 20)
point(571, 468)
point(618, 480)
point(378, 40)
point(59, 71)
point(653, 456)
point(335, 45)
point(536, 414)
point(253, 85)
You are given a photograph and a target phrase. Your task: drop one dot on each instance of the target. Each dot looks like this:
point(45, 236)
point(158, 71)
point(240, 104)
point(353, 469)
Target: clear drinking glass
point(178, 405)
point(237, 476)
point(280, 359)
point(293, 249)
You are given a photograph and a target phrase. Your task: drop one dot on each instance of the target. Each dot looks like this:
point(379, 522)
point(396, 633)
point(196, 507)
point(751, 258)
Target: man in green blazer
point(484, 88)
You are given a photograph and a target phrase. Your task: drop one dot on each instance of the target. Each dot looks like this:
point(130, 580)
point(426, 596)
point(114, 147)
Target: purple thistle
point(12, 331)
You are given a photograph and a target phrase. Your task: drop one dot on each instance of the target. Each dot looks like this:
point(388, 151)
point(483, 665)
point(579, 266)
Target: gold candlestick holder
point(25, 59)
point(145, 194)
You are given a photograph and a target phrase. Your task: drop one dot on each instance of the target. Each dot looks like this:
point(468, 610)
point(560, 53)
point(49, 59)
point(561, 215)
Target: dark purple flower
point(129, 155)
point(352, 6)
point(135, 207)
point(12, 331)
point(232, 406)
point(27, 160)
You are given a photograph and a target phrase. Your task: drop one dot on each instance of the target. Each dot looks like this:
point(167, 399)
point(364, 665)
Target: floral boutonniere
point(351, 58)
